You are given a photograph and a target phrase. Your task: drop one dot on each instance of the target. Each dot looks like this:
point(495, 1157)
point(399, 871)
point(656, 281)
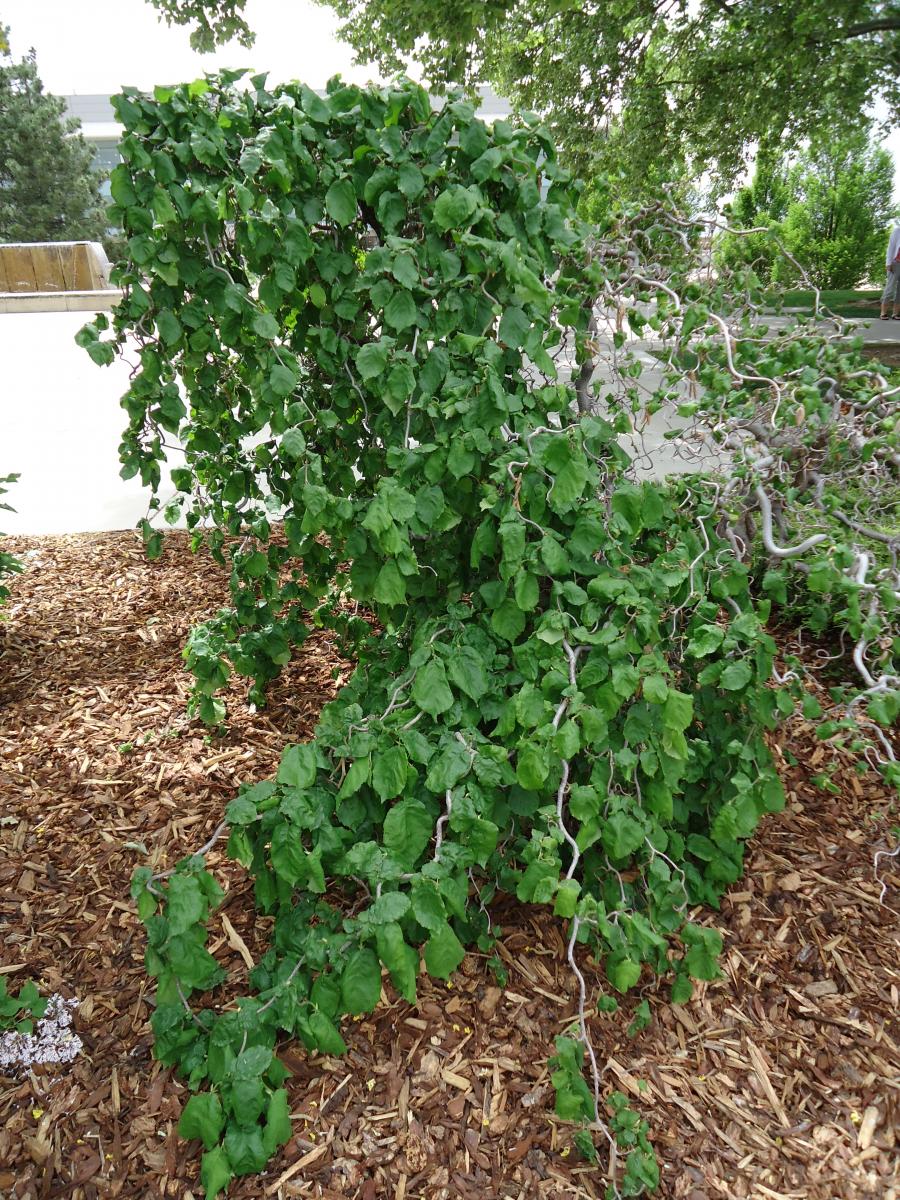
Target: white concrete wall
point(60, 427)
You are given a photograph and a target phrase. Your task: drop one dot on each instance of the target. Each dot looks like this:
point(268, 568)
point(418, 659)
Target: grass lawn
point(846, 303)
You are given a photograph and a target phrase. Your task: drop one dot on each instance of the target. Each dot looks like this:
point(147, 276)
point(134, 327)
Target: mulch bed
point(781, 1080)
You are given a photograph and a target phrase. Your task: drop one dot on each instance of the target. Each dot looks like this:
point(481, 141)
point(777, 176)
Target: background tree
point(49, 190)
point(829, 207)
point(706, 80)
point(842, 203)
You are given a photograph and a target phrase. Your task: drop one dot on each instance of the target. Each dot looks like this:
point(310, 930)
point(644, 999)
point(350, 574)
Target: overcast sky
point(101, 45)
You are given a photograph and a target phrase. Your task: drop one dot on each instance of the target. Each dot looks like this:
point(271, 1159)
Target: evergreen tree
point(49, 190)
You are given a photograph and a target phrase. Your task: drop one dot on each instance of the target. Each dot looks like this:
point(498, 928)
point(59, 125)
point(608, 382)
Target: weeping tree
point(374, 329)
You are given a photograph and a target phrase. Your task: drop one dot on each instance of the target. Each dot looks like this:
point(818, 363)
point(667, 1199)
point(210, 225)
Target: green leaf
point(245, 1149)
point(532, 768)
point(508, 620)
point(266, 326)
point(361, 983)
point(655, 688)
point(622, 972)
point(430, 690)
point(163, 208)
point(187, 904)
point(401, 960)
point(278, 1121)
point(682, 989)
point(449, 766)
point(169, 326)
point(704, 948)
point(293, 443)
point(287, 853)
point(443, 952)
point(389, 772)
point(568, 485)
point(622, 835)
point(554, 556)
point(298, 766)
point(252, 1061)
point(328, 1039)
point(736, 676)
point(567, 898)
point(466, 670)
point(678, 710)
point(215, 1172)
point(486, 164)
point(282, 380)
point(403, 269)
point(410, 180)
point(390, 586)
point(357, 775)
point(399, 385)
point(202, 1117)
point(427, 904)
point(514, 327)
point(401, 310)
point(460, 461)
point(120, 187)
point(389, 906)
point(340, 202)
point(705, 640)
point(526, 591)
point(407, 830)
point(371, 359)
point(453, 208)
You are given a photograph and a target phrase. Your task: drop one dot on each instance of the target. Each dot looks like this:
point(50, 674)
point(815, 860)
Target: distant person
point(892, 287)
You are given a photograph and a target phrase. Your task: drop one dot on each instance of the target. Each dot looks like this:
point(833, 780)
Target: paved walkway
point(60, 425)
point(873, 332)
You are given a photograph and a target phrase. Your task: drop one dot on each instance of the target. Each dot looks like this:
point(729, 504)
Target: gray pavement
point(60, 424)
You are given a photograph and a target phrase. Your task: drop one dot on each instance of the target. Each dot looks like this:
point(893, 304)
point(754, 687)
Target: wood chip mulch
point(781, 1081)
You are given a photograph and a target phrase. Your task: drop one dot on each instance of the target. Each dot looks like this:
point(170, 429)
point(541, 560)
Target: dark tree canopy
point(49, 190)
point(706, 79)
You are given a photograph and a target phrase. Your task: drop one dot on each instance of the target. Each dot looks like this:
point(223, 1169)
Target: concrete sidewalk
point(61, 423)
point(872, 330)
point(60, 427)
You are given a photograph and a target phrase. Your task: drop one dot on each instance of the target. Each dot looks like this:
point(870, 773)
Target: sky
point(91, 46)
point(87, 46)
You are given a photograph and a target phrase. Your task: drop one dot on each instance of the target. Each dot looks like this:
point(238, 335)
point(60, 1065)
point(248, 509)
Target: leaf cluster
point(19, 1011)
point(9, 565)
